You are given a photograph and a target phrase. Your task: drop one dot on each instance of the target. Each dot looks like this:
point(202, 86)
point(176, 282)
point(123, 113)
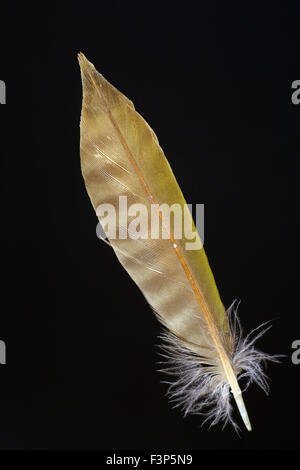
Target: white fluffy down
point(202, 389)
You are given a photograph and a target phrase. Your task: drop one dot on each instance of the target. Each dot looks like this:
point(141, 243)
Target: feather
point(202, 342)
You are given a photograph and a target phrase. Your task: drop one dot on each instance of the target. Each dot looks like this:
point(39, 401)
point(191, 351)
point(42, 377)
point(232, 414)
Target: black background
point(214, 82)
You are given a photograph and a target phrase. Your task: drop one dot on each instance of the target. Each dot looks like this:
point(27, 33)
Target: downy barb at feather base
point(203, 347)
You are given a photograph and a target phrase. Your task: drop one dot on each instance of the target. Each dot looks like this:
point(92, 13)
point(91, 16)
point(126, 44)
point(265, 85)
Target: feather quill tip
point(242, 409)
